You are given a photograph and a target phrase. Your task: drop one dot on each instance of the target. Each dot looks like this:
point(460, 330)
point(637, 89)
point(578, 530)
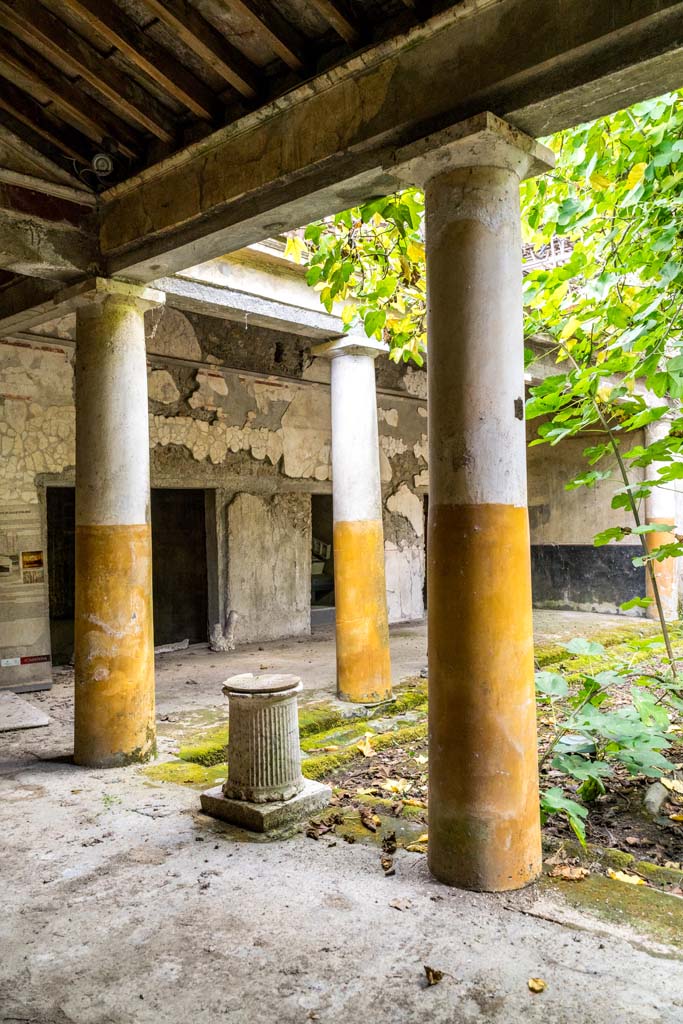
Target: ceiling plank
point(273, 29)
point(159, 65)
point(340, 20)
point(89, 116)
point(36, 27)
point(30, 114)
point(204, 40)
point(23, 151)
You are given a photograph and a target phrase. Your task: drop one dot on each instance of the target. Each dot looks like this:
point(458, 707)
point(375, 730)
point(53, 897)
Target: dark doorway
point(178, 560)
point(322, 558)
point(61, 525)
point(179, 566)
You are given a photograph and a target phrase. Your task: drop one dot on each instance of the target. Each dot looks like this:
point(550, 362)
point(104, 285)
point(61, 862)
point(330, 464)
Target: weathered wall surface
point(568, 570)
point(269, 565)
point(237, 410)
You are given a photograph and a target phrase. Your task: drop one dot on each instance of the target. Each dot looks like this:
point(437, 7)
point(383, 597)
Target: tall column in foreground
point(363, 661)
point(114, 642)
point(660, 508)
point(484, 827)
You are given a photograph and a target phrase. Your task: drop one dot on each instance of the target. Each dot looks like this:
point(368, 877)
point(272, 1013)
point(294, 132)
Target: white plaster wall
point(558, 516)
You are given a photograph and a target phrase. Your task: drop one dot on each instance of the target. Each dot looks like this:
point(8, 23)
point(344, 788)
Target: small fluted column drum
point(264, 758)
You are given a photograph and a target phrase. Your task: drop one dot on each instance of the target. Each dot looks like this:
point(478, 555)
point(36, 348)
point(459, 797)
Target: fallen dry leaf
point(365, 746)
point(332, 746)
point(387, 863)
point(622, 876)
point(396, 785)
point(399, 904)
point(423, 838)
point(433, 976)
point(416, 848)
point(367, 818)
point(676, 817)
point(421, 758)
point(389, 844)
point(673, 865)
point(673, 785)
point(536, 984)
point(414, 803)
point(570, 872)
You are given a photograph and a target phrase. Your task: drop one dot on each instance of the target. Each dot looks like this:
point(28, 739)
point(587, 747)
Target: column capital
point(484, 140)
point(98, 289)
point(350, 345)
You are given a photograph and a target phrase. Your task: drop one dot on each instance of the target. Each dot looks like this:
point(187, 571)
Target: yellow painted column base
point(363, 659)
point(665, 574)
point(484, 821)
point(114, 644)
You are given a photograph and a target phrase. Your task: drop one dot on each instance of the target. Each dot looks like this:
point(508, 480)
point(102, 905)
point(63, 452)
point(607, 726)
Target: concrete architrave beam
point(333, 141)
point(231, 304)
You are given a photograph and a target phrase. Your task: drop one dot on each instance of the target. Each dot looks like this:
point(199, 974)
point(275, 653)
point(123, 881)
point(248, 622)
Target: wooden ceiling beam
point(273, 29)
point(36, 27)
point(341, 21)
point(203, 39)
point(150, 58)
point(31, 115)
point(89, 116)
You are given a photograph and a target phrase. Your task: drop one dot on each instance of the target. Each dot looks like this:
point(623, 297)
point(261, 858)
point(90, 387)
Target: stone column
point(484, 828)
point(114, 642)
point(363, 660)
point(660, 507)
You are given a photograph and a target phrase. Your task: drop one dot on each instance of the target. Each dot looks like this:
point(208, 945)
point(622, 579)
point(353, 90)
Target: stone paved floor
point(121, 903)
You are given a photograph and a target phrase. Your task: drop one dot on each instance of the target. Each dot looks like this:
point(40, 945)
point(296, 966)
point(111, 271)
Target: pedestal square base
point(266, 817)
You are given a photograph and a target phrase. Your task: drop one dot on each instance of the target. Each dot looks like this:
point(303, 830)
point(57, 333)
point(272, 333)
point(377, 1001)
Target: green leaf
point(552, 684)
point(554, 801)
point(374, 321)
point(584, 647)
point(636, 602)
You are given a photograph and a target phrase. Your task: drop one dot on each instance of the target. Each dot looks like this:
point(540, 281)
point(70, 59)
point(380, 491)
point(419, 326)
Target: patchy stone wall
point(232, 410)
point(269, 565)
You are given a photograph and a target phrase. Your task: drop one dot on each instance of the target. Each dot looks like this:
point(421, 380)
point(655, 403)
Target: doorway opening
point(179, 567)
point(322, 559)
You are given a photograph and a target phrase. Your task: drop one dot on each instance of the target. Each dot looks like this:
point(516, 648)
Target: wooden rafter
point(155, 62)
point(341, 21)
point(31, 115)
point(203, 39)
point(89, 116)
point(275, 31)
point(36, 27)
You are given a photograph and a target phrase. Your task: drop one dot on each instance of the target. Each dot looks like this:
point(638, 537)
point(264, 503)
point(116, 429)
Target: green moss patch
point(187, 773)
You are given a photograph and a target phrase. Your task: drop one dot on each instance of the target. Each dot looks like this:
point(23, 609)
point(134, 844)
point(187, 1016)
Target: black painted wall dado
point(580, 575)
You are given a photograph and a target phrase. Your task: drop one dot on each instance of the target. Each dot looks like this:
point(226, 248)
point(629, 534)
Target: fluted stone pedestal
point(265, 789)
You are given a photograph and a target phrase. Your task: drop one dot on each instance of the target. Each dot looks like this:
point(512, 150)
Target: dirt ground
point(123, 903)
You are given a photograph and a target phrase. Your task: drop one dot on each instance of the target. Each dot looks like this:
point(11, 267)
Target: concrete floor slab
point(16, 713)
point(124, 904)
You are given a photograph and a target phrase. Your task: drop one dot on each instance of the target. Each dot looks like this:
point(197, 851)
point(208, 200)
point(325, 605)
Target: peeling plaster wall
point(269, 565)
point(260, 425)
